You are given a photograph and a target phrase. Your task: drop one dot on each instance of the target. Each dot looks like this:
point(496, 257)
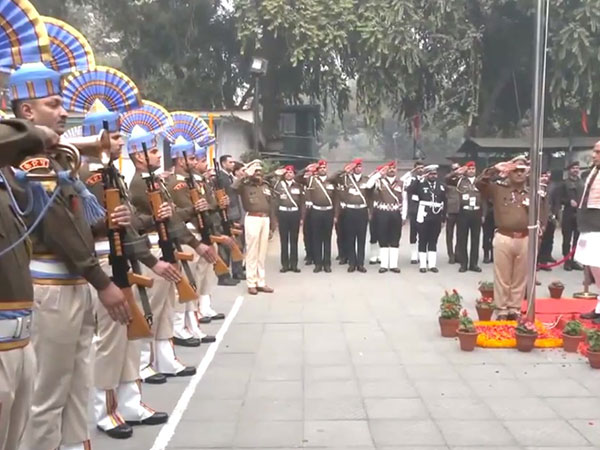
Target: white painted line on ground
point(168, 430)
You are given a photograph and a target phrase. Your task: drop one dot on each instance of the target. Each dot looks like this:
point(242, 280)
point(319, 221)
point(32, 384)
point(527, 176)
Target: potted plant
point(572, 335)
point(467, 333)
point(526, 334)
point(485, 308)
point(487, 289)
point(556, 289)
point(593, 353)
point(450, 307)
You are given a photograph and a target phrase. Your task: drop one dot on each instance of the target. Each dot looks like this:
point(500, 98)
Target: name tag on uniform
point(329, 187)
point(415, 198)
point(353, 191)
point(473, 201)
point(295, 191)
point(266, 191)
point(282, 196)
point(465, 196)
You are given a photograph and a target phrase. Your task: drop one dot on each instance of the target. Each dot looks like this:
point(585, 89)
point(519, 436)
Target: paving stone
point(396, 408)
point(278, 372)
point(379, 372)
point(334, 409)
point(545, 432)
point(575, 408)
point(500, 388)
point(424, 372)
point(213, 410)
point(275, 389)
point(483, 371)
point(550, 388)
point(341, 433)
point(408, 433)
point(589, 428)
point(521, 408)
point(458, 408)
point(265, 409)
point(331, 389)
point(443, 388)
point(203, 434)
point(323, 373)
point(388, 389)
point(475, 432)
point(367, 357)
point(327, 358)
point(269, 434)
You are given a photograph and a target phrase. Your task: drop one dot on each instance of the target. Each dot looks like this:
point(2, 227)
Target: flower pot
point(448, 327)
point(525, 342)
point(467, 340)
point(556, 292)
point(484, 314)
point(594, 359)
point(489, 293)
point(571, 343)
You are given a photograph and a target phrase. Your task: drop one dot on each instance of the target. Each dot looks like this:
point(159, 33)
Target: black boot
point(452, 259)
point(568, 265)
point(317, 268)
point(486, 257)
point(351, 269)
point(462, 268)
point(284, 269)
point(327, 268)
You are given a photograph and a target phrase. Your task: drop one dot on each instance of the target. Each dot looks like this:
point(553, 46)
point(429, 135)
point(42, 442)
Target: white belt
point(432, 204)
point(322, 208)
point(51, 269)
point(153, 237)
point(16, 329)
point(285, 208)
point(351, 206)
point(102, 247)
point(190, 226)
point(471, 208)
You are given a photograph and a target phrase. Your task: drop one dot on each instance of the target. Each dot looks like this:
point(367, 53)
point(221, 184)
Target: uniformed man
point(571, 191)
point(18, 140)
point(452, 210)
point(256, 196)
point(142, 127)
point(547, 241)
point(62, 266)
point(412, 178)
point(321, 191)
point(374, 249)
point(387, 204)
point(462, 180)
point(339, 222)
point(430, 216)
point(302, 178)
point(289, 202)
point(588, 222)
point(511, 204)
point(117, 395)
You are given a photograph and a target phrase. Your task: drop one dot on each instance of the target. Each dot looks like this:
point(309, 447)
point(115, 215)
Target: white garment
point(423, 260)
point(587, 251)
point(166, 361)
point(180, 329)
point(131, 406)
point(414, 253)
point(393, 257)
point(431, 259)
point(384, 258)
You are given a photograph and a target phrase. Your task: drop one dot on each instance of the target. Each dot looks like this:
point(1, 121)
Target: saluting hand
point(113, 299)
point(121, 216)
point(167, 271)
point(165, 212)
point(201, 205)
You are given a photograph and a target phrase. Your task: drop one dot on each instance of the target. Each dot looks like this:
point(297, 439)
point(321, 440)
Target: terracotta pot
point(570, 343)
point(467, 340)
point(484, 314)
point(594, 359)
point(487, 293)
point(525, 342)
point(556, 292)
point(448, 327)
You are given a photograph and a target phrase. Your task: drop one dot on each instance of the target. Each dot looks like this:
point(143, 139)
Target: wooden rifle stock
point(236, 253)
point(140, 280)
point(138, 327)
point(184, 256)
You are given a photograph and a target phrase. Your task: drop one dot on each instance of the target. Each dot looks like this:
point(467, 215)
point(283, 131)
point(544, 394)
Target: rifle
point(171, 250)
point(236, 253)
point(220, 267)
point(140, 325)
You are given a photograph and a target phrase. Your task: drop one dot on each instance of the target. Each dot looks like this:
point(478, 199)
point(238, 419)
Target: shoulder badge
point(179, 186)
point(35, 163)
point(93, 179)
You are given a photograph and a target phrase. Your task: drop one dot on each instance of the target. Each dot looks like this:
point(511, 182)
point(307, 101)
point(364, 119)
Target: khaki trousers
point(117, 358)
point(62, 329)
point(257, 241)
point(17, 372)
point(162, 300)
point(510, 272)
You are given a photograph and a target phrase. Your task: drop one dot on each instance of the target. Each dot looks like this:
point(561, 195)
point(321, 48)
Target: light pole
point(258, 69)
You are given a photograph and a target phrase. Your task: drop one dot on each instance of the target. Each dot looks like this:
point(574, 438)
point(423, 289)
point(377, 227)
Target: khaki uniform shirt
point(256, 198)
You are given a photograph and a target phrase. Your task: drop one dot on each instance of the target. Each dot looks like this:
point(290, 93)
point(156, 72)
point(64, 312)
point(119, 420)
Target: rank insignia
point(179, 186)
point(93, 179)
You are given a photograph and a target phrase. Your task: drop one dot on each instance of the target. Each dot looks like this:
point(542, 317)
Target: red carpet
point(548, 310)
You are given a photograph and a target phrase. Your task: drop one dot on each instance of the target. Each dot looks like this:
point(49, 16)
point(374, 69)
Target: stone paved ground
point(355, 361)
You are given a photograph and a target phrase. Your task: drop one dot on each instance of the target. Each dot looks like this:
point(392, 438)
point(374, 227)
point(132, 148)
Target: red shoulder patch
point(179, 186)
point(35, 163)
point(93, 179)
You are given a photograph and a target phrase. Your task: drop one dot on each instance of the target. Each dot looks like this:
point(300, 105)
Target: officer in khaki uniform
point(62, 265)
point(511, 205)
point(289, 204)
point(256, 196)
point(18, 139)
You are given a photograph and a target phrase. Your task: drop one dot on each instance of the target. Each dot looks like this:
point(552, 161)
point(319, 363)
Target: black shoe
point(423, 270)
point(452, 259)
point(343, 261)
point(239, 276)
point(486, 260)
point(434, 270)
point(157, 378)
point(546, 269)
point(513, 316)
point(568, 266)
point(462, 269)
point(317, 269)
point(382, 270)
point(187, 372)
point(208, 339)
point(373, 261)
point(205, 319)
point(338, 257)
point(295, 269)
point(351, 269)
point(123, 431)
point(228, 281)
point(308, 262)
point(155, 419)
point(327, 269)
point(576, 265)
point(475, 269)
point(502, 317)
point(414, 261)
point(283, 269)
point(395, 270)
point(191, 342)
point(218, 316)
point(550, 260)
point(362, 269)
point(590, 315)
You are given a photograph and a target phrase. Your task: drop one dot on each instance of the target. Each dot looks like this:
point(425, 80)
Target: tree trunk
point(489, 103)
point(594, 115)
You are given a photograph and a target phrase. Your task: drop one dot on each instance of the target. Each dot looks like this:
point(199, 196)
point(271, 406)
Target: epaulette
point(501, 182)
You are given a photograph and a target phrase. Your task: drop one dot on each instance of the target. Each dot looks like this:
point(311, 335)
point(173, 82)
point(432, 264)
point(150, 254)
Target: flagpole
point(535, 154)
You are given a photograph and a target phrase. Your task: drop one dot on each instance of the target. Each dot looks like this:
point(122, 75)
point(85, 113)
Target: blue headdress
point(188, 131)
point(70, 49)
point(142, 125)
point(102, 93)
